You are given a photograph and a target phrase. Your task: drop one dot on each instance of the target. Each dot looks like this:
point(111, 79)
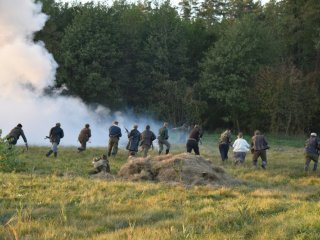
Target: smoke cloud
point(27, 68)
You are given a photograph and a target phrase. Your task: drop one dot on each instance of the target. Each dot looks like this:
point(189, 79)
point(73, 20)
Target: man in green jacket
point(15, 134)
point(163, 138)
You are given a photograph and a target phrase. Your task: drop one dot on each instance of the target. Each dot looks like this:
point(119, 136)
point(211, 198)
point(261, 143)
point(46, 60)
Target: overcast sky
point(83, 1)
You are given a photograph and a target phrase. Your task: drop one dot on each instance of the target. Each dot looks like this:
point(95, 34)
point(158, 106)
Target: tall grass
point(56, 199)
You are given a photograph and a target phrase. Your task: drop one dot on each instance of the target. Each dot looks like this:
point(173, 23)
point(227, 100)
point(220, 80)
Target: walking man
point(259, 148)
point(147, 137)
point(311, 151)
point(114, 136)
point(84, 137)
point(134, 138)
point(224, 143)
point(193, 140)
point(55, 134)
point(163, 138)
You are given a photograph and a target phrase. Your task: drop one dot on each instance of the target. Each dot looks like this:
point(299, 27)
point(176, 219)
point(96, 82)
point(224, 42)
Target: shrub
point(8, 156)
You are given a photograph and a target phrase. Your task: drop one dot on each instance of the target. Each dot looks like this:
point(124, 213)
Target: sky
point(174, 1)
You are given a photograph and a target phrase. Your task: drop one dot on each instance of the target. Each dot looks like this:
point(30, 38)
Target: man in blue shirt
point(114, 136)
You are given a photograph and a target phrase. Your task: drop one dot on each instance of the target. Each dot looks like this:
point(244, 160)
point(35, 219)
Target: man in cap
point(311, 151)
point(114, 136)
point(163, 138)
point(55, 134)
point(84, 137)
point(15, 134)
point(147, 137)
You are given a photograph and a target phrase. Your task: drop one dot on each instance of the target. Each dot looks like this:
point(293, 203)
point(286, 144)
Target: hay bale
point(185, 168)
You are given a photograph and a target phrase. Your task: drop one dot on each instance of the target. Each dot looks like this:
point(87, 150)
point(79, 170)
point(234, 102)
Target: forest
point(220, 63)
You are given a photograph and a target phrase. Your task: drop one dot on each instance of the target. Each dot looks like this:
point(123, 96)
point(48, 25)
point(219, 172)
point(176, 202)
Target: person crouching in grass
point(240, 149)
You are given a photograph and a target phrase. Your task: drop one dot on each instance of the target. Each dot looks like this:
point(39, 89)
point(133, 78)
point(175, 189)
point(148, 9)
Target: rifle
point(127, 131)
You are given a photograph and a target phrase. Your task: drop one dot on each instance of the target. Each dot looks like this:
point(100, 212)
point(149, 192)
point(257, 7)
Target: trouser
point(239, 157)
point(223, 149)
point(262, 154)
point(113, 146)
point(309, 157)
point(166, 143)
point(145, 149)
point(83, 146)
point(54, 149)
point(193, 144)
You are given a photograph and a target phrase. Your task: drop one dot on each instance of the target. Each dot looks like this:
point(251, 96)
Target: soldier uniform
point(55, 134)
point(84, 137)
point(15, 134)
point(259, 146)
point(114, 136)
point(134, 138)
point(224, 143)
point(147, 137)
point(193, 140)
point(100, 164)
point(163, 138)
point(311, 151)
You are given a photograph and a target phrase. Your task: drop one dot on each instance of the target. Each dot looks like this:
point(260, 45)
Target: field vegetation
point(49, 198)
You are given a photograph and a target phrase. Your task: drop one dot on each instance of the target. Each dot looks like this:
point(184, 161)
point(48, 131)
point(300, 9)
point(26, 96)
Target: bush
point(8, 156)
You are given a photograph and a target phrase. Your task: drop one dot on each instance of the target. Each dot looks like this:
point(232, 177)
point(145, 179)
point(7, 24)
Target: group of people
point(258, 146)
point(136, 139)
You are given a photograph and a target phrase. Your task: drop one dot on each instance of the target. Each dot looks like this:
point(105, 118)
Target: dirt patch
point(185, 168)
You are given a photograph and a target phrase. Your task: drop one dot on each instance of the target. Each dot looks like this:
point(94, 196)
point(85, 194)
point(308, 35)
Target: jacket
point(55, 134)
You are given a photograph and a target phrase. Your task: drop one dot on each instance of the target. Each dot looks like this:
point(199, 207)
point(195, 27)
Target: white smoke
point(27, 68)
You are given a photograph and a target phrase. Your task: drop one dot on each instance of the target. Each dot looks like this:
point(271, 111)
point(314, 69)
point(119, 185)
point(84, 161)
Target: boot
point(159, 153)
point(49, 153)
point(55, 154)
point(167, 151)
point(315, 167)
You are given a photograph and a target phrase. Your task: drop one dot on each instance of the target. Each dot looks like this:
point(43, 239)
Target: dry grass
point(56, 199)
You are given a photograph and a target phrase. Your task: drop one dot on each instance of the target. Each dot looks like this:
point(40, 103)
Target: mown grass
point(56, 199)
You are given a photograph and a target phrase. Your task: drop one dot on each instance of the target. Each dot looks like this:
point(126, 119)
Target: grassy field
point(56, 199)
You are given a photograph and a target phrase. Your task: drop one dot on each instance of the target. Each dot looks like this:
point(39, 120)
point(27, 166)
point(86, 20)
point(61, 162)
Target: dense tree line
point(218, 62)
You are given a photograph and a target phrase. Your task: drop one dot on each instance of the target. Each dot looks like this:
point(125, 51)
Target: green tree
point(89, 56)
point(230, 66)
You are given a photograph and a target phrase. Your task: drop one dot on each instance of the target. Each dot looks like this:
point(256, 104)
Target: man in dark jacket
point(15, 134)
point(134, 138)
point(259, 146)
point(224, 144)
point(193, 140)
point(311, 151)
point(84, 137)
point(114, 136)
point(55, 134)
point(147, 137)
point(163, 138)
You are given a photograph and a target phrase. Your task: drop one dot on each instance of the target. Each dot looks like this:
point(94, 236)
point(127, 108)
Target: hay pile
point(185, 168)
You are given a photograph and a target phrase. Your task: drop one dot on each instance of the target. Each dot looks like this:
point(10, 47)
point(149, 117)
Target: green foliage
point(207, 62)
point(8, 157)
